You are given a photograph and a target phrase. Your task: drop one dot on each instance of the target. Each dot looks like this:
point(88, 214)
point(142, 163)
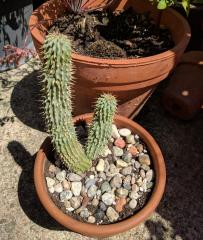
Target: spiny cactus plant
point(58, 78)
point(101, 128)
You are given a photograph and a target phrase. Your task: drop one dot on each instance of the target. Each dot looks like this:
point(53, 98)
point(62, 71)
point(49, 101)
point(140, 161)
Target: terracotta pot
point(131, 80)
point(94, 230)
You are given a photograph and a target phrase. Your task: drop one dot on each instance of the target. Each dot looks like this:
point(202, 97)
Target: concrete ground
point(179, 215)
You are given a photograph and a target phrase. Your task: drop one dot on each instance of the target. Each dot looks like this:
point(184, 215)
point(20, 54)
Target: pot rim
point(124, 61)
point(94, 230)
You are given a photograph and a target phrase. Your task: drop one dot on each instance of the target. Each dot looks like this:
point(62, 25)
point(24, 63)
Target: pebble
point(89, 183)
point(121, 192)
point(121, 163)
point(85, 201)
point(108, 198)
point(135, 188)
point(113, 169)
point(115, 133)
point(92, 191)
point(145, 167)
point(140, 148)
point(74, 177)
point(118, 152)
point(134, 195)
point(99, 214)
point(91, 219)
point(102, 206)
point(139, 181)
point(126, 170)
point(133, 204)
point(95, 202)
point(116, 182)
point(102, 175)
point(70, 209)
point(106, 151)
point(149, 175)
point(84, 213)
point(133, 150)
point(133, 180)
point(130, 139)
point(52, 168)
point(142, 173)
point(124, 132)
point(144, 159)
point(127, 182)
point(100, 165)
point(112, 214)
point(61, 175)
point(149, 185)
point(120, 203)
point(58, 188)
point(137, 165)
point(50, 182)
point(75, 202)
point(51, 189)
point(67, 204)
point(119, 142)
point(65, 195)
point(105, 187)
point(66, 185)
point(127, 157)
point(76, 188)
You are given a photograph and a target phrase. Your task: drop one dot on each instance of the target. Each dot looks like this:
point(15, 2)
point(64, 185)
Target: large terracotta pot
point(131, 80)
point(94, 230)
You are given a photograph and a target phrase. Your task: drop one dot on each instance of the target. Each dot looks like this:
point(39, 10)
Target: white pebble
point(124, 132)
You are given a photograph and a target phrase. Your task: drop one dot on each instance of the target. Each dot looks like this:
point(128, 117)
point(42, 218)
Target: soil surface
point(114, 35)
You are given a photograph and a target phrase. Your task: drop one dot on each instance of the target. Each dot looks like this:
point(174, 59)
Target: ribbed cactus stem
point(58, 77)
point(101, 128)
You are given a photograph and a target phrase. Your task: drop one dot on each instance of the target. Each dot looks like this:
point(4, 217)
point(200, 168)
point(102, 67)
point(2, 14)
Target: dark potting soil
point(81, 129)
point(114, 35)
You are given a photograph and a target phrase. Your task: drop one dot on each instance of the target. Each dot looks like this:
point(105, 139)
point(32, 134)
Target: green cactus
point(58, 78)
point(100, 130)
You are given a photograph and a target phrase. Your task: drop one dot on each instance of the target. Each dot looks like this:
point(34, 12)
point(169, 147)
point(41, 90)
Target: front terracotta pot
point(93, 230)
point(132, 81)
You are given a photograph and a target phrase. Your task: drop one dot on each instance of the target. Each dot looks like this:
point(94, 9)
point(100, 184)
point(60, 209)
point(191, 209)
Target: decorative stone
point(85, 201)
point(142, 173)
point(118, 152)
point(134, 195)
point(89, 183)
point(140, 148)
point(70, 209)
point(58, 188)
point(113, 169)
point(108, 198)
point(61, 175)
point(76, 188)
point(133, 204)
point(92, 191)
point(100, 165)
point(112, 214)
point(91, 219)
point(119, 142)
point(124, 132)
point(145, 167)
point(121, 163)
point(130, 139)
point(106, 166)
point(149, 185)
point(135, 188)
point(116, 182)
point(65, 195)
point(75, 202)
point(95, 202)
point(133, 150)
point(84, 213)
point(144, 159)
point(51, 189)
point(102, 206)
point(120, 203)
point(149, 175)
point(133, 180)
point(99, 214)
point(106, 151)
point(91, 176)
point(74, 177)
point(52, 168)
point(66, 185)
point(126, 170)
point(50, 182)
point(115, 134)
point(102, 175)
point(127, 182)
point(67, 204)
point(127, 157)
point(121, 192)
point(105, 187)
point(139, 181)
point(137, 165)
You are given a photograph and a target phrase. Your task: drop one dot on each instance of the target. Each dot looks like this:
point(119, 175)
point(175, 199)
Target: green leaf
point(186, 6)
point(162, 4)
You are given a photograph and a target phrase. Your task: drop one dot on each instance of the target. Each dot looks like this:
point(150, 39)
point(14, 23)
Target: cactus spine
point(101, 128)
point(58, 77)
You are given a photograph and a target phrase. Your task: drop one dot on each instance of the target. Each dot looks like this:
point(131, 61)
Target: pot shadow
point(181, 145)
point(26, 190)
point(25, 101)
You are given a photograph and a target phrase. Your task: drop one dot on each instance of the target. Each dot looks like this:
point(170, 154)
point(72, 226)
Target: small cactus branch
point(101, 128)
point(58, 77)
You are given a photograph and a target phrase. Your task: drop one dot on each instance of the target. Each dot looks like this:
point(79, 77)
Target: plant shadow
point(26, 190)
